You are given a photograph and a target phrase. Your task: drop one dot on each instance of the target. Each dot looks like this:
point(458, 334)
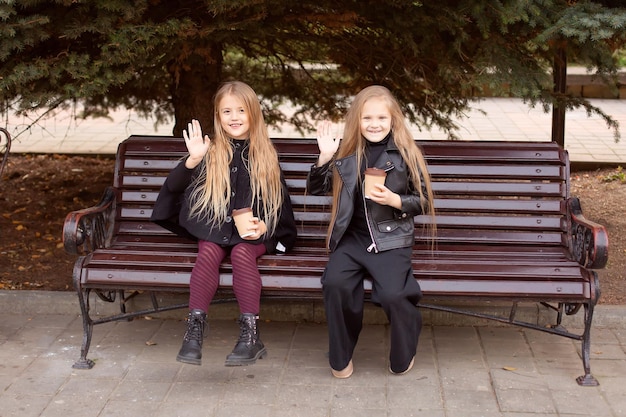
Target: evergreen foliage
point(168, 58)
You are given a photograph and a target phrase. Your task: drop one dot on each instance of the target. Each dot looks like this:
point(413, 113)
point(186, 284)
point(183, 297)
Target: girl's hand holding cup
point(248, 226)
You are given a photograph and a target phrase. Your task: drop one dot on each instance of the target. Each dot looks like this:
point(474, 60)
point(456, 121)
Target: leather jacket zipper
point(373, 246)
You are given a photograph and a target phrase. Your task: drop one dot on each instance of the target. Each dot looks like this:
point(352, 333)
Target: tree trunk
point(559, 76)
point(195, 80)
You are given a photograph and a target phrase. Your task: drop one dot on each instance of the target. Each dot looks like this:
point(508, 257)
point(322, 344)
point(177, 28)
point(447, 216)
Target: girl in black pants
point(371, 235)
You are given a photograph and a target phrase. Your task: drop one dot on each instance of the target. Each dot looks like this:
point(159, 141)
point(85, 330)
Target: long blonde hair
point(212, 189)
point(354, 143)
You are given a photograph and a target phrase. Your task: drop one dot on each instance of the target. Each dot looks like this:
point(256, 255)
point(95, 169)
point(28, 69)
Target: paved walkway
point(466, 371)
point(587, 138)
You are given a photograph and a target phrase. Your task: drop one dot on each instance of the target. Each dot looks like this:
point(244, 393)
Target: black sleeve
point(170, 199)
point(319, 179)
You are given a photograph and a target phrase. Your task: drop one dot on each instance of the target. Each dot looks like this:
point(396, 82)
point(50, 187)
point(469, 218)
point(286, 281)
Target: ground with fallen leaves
point(39, 190)
point(37, 193)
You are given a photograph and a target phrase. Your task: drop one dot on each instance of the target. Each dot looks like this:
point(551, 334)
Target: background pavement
point(587, 139)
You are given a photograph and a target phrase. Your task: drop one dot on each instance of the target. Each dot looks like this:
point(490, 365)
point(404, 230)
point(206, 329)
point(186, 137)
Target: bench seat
point(520, 273)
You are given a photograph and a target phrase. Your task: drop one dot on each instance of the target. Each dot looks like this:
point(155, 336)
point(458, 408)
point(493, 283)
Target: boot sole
point(241, 362)
point(189, 361)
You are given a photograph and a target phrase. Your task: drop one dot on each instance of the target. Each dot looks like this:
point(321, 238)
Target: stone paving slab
point(460, 371)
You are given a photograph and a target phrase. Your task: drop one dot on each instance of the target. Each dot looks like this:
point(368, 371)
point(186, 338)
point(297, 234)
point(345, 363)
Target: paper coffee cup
point(242, 218)
point(373, 176)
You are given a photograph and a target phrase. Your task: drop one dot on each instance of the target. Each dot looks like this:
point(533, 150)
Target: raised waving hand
point(197, 145)
point(327, 142)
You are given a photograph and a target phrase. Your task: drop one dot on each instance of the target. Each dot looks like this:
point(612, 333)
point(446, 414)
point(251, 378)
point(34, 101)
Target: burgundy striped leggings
point(246, 277)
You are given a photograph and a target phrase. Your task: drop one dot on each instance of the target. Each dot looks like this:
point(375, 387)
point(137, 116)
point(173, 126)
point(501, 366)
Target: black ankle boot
point(191, 351)
point(249, 347)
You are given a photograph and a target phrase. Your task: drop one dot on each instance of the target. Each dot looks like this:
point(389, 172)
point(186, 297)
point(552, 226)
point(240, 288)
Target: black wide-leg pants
point(394, 288)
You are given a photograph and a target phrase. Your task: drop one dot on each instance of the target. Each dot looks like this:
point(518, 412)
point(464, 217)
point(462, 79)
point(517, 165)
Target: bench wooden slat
point(470, 189)
point(491, 205)
point(501, 172)
point(553, 255)
point(541, 237)
point(465, 170)
point(434, 149)
point(313, 203)
point(493, 237)
point(550, 254)
point(141, 181)
point(491, 151)
point(504, 289)
point(499, 222)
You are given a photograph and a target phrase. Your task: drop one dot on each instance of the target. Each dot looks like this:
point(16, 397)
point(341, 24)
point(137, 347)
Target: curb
point(32, 302)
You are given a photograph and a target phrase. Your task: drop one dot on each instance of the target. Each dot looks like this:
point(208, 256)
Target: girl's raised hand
point(327, 142)
point(197, 145)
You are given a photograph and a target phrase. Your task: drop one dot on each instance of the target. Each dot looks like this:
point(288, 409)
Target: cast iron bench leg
point(83, 300)
point(587, 380)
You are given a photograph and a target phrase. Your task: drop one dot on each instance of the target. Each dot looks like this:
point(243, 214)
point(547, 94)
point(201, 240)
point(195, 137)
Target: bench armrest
point(588, 241)
point(91, 228)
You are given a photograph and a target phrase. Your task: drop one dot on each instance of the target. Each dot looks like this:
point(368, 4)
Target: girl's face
point(233, 117)
point(375, 120)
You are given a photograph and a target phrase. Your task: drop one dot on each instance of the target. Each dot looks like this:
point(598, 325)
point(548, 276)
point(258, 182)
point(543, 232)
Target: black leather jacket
point(389, 228)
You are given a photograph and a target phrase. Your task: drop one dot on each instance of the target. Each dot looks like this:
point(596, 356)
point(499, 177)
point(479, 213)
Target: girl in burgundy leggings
point(237, 168)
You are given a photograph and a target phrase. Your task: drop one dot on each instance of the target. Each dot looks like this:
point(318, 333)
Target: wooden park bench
point(507, 231)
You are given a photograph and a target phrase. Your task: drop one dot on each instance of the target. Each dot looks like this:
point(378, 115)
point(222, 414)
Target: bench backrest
point(495, 193)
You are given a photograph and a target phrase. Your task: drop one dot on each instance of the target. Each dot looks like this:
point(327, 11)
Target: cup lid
point(241, 211)
point(375, 171)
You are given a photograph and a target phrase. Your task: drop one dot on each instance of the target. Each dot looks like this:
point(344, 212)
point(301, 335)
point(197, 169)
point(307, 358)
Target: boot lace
point(246, 330)
point(195, 329)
